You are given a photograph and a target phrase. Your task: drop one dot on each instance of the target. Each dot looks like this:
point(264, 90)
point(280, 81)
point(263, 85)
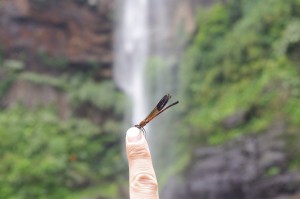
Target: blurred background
point(76, 74)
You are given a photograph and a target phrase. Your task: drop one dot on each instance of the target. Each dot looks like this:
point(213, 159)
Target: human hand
point(142, 179)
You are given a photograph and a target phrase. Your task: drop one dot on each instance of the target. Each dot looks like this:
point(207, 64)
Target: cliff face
point(53, 38)
point(253, 167)
point(74, 31)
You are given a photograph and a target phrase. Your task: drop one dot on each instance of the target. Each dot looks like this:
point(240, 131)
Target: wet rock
point(253, 167)
point(234, 120)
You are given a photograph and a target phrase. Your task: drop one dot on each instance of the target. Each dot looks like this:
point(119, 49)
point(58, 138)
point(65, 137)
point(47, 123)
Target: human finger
point(142, 178)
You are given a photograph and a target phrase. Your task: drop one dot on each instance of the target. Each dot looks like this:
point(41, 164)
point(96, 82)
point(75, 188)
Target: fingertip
point(133, 130)
point(134, 134)
point(136, 145)
point(143, 183)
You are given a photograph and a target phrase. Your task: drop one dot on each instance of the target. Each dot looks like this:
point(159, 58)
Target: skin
point(142, 179)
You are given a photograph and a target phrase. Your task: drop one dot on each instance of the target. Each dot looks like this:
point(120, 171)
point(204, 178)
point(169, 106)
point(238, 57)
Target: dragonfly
point(158, 109)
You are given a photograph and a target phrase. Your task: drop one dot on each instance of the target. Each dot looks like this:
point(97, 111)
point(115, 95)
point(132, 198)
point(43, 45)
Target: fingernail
point(134, 135)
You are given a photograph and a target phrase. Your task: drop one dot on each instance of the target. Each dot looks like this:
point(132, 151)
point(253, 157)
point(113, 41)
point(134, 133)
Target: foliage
point(45, 157)
point(13, 65)
point(41, 79)
point(273, 171)
point(5, 84)
point(53, 62)
point(82, 90)
point(242, 59)
point(8, 73)
point(102, 95)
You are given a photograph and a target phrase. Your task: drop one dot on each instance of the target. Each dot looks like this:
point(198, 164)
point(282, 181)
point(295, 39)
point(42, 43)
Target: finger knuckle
point(138, 152)
point(145, 182)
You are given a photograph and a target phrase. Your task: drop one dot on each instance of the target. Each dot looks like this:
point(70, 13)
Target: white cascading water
point(141, 32)
point(144, 57)
point(131, 51)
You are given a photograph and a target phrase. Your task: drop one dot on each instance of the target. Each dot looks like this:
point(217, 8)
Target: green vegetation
point(44, 157)
point(8, 73)
point(82, 90)
point(41, 79)
point(273, 171)
point(243, 65)
point(48, 61)
point(102, 95)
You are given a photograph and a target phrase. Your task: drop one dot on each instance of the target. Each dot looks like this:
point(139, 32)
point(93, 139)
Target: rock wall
point(253, 167)
point(54, 38)
point(80, 33)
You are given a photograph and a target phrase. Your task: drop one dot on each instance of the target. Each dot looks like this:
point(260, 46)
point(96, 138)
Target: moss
point(273, 171)
point(41, 79)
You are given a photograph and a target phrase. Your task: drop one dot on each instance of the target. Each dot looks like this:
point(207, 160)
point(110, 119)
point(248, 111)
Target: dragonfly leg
point(143, 131)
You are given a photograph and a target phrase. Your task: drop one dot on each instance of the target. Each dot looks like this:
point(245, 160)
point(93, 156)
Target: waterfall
point(145, 56)
point(131, 51)
point(141, 36)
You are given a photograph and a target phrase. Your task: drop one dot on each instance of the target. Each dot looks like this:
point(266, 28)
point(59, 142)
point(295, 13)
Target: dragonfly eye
point(161, 104)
